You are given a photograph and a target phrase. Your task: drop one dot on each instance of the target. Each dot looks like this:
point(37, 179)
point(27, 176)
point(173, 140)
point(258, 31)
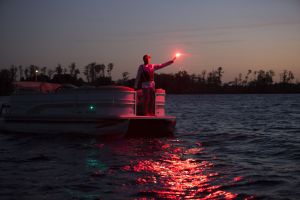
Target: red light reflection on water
point(175, 176)
point(238, 178)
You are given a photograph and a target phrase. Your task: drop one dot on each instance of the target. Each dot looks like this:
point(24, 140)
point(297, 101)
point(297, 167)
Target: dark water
point(225, 147)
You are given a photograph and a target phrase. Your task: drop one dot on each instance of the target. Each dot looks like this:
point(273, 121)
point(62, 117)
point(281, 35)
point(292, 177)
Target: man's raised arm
point(159, 66)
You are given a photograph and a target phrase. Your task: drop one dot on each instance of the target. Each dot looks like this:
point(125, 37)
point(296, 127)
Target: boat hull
point(89, 127)
point(137, 126)
point(151, 126)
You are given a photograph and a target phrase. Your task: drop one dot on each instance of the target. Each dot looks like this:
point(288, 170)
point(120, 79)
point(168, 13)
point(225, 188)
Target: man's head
point(146, 59)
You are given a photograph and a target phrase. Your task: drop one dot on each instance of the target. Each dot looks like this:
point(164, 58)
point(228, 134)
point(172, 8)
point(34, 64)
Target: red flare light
point(178, 55)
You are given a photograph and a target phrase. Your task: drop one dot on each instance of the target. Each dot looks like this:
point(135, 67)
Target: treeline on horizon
point(182, 82)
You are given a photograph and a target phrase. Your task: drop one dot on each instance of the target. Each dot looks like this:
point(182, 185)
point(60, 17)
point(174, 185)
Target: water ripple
point(225, 147)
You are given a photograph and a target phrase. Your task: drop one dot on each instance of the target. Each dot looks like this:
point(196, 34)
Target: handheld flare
point(178, 55)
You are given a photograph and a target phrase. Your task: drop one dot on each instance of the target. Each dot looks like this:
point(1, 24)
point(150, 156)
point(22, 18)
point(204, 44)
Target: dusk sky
point(235, 34)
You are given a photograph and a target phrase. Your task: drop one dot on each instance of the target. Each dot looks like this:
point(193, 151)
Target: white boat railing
point(85, 102)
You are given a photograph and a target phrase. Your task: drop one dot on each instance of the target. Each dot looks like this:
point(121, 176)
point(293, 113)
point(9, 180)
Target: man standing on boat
point(145, 77)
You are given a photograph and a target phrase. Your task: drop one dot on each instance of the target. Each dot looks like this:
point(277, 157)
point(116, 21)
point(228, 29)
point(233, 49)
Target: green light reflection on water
point(95, 164)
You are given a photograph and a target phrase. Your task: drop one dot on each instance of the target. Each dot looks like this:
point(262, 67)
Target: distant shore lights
point(36, 73)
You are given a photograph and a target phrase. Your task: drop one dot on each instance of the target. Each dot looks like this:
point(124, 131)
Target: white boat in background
point(47, 108)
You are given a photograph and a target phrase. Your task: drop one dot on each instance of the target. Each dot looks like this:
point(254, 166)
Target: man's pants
point(149, 101)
